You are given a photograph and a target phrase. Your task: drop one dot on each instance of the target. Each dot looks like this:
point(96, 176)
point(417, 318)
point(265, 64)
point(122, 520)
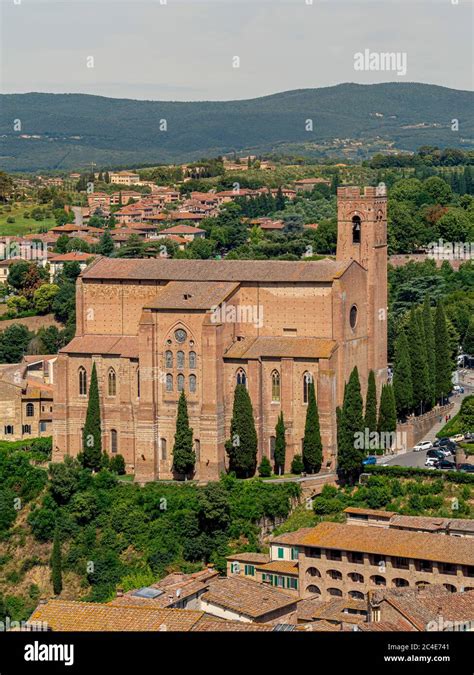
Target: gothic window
point(307, 379)
point(192, 360)
point(8, 429)
point(26, 428)
point(272, 447)
point(180, 382)
point(164, 454)
point(241, 377)
point(138, 382)
point(356, 227)
point(180, 360)
point(275, 385)
point(30, 410)
point(82, 381)
point(197, 449)
point(169, 383)
point(169, 359)
point(113, 441)
point(192, 383)
point(112, 382)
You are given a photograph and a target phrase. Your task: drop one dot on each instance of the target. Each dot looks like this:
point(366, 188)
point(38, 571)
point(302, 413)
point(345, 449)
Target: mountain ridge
point(74, 129)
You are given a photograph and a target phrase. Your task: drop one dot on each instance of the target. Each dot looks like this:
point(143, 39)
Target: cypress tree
point(280, 446)
point(184, 457)
point(387, 414)
point(279, 200)
point(419, 367)
point(402, 383)
point(242, 445)
point(429, 345)
point(371, 404)
point(91, 435)
point(443, 361)
point(424, 352)
point(468, 342)
point(351, 423)
point(56, 572)
point(312, 446)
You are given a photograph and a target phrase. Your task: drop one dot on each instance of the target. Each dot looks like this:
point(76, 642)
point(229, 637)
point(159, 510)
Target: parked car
point(431, 462)
point(423, 445)
point(445, 464)
point(436, 453)
point(371, 459)
point(446, 450)
point(468, 468)
point(458, 389)
point(457, 438)
point(469, 437)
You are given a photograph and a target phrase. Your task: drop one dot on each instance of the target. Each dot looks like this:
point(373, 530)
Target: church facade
point(155, 327)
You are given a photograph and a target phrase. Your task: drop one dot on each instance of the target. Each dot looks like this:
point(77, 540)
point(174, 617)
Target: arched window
point(450, 588)
point(112, 380)
point(400, 583)
point(8, 429)
point(356, 577)
point(192, 360)
point(241, 377)
point(169, 359)
point(335, 592)
point(82, 381)
point(356, 595)
point(180, 359)
point(313, 572)
point(197, 449)
point(307, 380)
point(275, 385)
point(169, 382)
point(272, 447)
point(180, 382)
point(353, 316)
point(26, 429)
point(192, 383)
point(356, 227)
point(377, 580)
point(113, 441)
point(164, 453)
point(314, 590)
point(138, 382)
point(334, 574)
point(30, 410)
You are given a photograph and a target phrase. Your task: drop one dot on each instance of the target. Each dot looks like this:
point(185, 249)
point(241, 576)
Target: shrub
point(297, 465)
point(117, 464)
point(265, 468)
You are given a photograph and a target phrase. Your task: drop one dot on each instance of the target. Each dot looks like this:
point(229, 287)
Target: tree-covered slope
point(74, 129)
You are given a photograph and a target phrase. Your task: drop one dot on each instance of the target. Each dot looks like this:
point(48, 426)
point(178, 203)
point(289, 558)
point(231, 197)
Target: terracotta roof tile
point(298, 347)
point(218, 270)
point(280, 566)
point(192, 295)
point(126, 346)
point(250, 557)
point(247, 597)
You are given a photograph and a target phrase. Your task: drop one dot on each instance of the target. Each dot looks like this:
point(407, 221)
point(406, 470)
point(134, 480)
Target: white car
point(457, 438)
point(422, 445)
point(431, 462)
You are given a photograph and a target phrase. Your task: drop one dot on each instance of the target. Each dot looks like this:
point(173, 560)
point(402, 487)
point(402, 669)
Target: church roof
point(217, 270)
point(296, 347)
point(119, 345)
point(195, 295)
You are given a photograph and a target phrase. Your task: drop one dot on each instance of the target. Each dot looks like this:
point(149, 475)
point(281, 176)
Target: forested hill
point(70, 130)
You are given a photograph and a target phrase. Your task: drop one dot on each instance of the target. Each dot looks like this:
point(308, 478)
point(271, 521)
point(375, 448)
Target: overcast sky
point(183, 49)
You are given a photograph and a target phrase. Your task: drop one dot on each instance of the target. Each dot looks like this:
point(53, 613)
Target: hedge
point(408, 471)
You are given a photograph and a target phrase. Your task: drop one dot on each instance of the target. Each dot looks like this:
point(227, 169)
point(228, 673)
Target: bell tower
point(362, 236)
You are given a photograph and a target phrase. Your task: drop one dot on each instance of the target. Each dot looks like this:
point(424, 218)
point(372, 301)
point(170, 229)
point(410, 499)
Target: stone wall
point(416, 428)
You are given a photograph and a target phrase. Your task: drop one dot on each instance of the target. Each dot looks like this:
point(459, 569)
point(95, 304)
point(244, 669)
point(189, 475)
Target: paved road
point(410, 458)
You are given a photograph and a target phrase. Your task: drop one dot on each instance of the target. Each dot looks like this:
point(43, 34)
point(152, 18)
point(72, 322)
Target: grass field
point(22, 225)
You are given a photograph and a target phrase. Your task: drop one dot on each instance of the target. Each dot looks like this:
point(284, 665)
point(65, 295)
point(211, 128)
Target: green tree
point(105, 245)
point(242, 445)
point(297, 465)
point(351, 423)
point(14, 343)
point(56, 565)
point(280, 445)
point(429, 345)
point(402, 382)
point(371, 404)
point(444, 365)
point(418, 362)
point(92, 434)
point(184, 457)
point(265, 468)
point(468, 343)
point(312, 446)
point(43, 297)
point(387, 422)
